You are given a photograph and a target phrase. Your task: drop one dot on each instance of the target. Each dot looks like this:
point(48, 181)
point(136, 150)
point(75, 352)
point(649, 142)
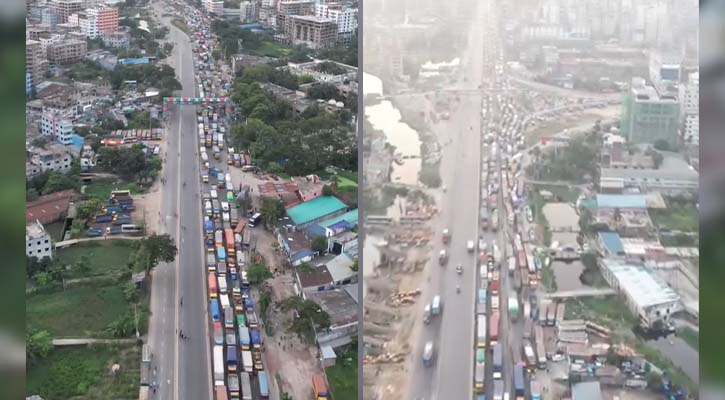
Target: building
point(342, 306)
point(63, 9)
point(248, 12)
point(311, 31)
point(36, 62)
point(95, 22)
point(118, 39)
point(586, 391)
point(54, 126)
point(616, 155)
point(319, 209)
point(286, 192)
point(664, 71)
point(345, 17)
point(646, 295)
point(54, 157)
point(49, 208)
point(67, 52)
point(38, 243)
point(295, 7)
point(214, 6)
point(691, 109)
point(674, 176)
point(312, 69)
point(648, 116)
point(611, 245)
point(28, 83)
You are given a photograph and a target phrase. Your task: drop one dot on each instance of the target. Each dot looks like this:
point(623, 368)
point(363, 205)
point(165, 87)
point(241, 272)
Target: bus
point(131, 229)
point(255, 219)
point(221, 254)
point(229, 239)
point(212, 286)
point(493, 329)
point(263, 386)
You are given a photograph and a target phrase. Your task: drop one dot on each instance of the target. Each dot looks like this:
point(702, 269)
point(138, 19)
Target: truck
point(481, 302)
point(214, 307)
point(251, 318)
point(228, 317)
point(494, 220)
point(484, 218)
point(527, 310)
point(246, 386)
point(232, 361)
point(233, 384)
point(217, 332)
point(428, 354)
point(426, 314)
point(497, 361)
point(535, 390)
point(519, 390)
point(540, 347)
point(498, 390)
point(495, 284)
point(479, 377)
point(481, 331)
point(529, 356)
point(218, 365)
point(512, 265)
point(221, 392)
point(436, 305)
point(230, 337)
point(550, 314)
point(493, 327)
point(247, 363)
point(244, 340)
point(256, 339)
point(513, 308)
point(494, 302)
point(319, 387)
point(222, 283)
point(263, 385)
point(257, 358)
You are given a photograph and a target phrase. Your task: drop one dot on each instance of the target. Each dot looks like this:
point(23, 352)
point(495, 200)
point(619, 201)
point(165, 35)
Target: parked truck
point(529, 356)
point(263, 385)
point(519, 390)
point(256, 339)
point(428, 354)
point(247, 362)
point(233, 384)
point(497, 361)
point(319, 387)
point(218, 365)
point(513, 308)
point(481, 331)
point(232, 361)
point(244, 340)
point(480, 376)
point(497, 390)
point(246, 386)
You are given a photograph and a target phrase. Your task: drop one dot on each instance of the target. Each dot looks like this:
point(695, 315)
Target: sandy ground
point(148, 205)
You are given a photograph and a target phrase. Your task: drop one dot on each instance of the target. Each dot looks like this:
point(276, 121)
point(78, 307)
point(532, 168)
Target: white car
point(469, 246)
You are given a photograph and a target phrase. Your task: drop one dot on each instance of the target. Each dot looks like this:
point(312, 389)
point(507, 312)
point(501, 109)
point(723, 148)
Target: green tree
point(590, 261)
point(327, 191)
point(38, 344)
point(319, 244)
point(662, 145)
point(157, 248)
point(130, 292)
point(84, 264)
point(42, 279)
point(309, 317)
point(324, 91)
point(31, 194)
point(354, 266)
point(272, 210)
point(39, 142)
point(88, 208)
point(58, 182)
point(258, 273)
point(585, 220)
point(124, 326)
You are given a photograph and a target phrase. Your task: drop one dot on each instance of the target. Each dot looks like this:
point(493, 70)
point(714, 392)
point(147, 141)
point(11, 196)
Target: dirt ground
point(148, 205)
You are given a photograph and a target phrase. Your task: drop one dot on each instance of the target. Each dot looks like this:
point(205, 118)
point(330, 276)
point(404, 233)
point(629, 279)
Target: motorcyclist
point(458, 288)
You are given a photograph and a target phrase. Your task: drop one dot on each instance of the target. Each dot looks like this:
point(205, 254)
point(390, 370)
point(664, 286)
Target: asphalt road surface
point(184, 366)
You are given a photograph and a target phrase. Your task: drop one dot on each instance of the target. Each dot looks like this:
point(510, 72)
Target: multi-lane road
point(183, 366)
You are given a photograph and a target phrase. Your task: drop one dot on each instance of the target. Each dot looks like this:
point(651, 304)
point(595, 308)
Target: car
point(470, 245)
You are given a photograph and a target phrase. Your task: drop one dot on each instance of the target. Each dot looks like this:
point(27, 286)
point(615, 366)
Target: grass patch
point(609, 311)
point(343, 376)
point(690, 336)
point(180, 24)
point(77, 311)
point(344, 183)
point(565, 194)
point(676, 218)
point(668, 367)
point(84, 371)
point(271, 49)
point(101, 188)
point(106, 257)
point(548, 279)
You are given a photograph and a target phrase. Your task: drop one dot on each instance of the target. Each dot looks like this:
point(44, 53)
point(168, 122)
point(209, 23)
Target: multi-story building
point(649, 116)
point(67, 52)
point(691, 109)
point(248, 11)
point(35, 32)
point(54, 157)
point(214, 6)
point(345, 17)
point(65, 8)
point(36, 63)
point(38, 243)
point(311, 31)
point(118, 39)
point(94, 22)
point(665, 70)
point(54, 126)
point(28, 83)
point(674, 176)
point(296, 7)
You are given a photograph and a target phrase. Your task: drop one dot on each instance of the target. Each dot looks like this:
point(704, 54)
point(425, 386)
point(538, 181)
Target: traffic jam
point(237, 345)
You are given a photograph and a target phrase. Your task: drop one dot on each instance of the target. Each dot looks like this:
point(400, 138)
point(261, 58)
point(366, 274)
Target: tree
point(31, 194)
point(258, 273)
point(33, 265)
point(156, 248)
point(590, 261)
point(40, 142)
point(123, 326)
point(272, 210)
point(88, 208)
point(84, 264)
point(38, 344)
point(58, 182)
point(319, 244)
point(309, 317)
point(585, 220)
point(324, 91)
point(327, 191)
point(130, 292)
point(662, 145)
point(353, 267)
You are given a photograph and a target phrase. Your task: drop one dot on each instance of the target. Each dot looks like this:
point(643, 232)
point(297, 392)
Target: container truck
point(256, 339)
point(247, 361)
point(218, 333)
point(481, 303)
point(319, 387)
point(233, 384)
point(230, 337)
point(244, 340)
point(224, 301)
point(540, 347)
point(214, 306)
point(251, 318)
point(529, 355)
point(263, 385)
point(479, 377)
point(513, 308)
point(535, 390)
point(246, 386)
point(481, 331)
point(257, 358)
point(218, 365)
point(232, 361)
point(519, 390)
point(228, 317)
point(512, 265)
point(493, 327)
point(497, 361)
point(494, 302)
point(222, 284)
point(497, 390)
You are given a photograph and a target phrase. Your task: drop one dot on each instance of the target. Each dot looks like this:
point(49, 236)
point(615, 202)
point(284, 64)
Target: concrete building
point(317, 210)
point(54, 157)
point(65, 8)
point(648, 116)
point(67, 52)
point(54, 126)
point(586, 391)
point(213, 6)
point(674, 176)
point(665, 70)
point(99, 21)
point(36, 62)
point(691, 109)
point(344, 16)
point(647, 297)
point(295, 7)
point(118, 39)
point(248, 12)
point(38, 243)
point(311, 31)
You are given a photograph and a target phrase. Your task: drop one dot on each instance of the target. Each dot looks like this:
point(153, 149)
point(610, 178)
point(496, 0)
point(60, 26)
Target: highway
point(184, 367)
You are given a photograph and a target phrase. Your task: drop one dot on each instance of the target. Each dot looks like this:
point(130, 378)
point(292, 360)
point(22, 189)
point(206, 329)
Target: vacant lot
point(676, 218)
point(84, 371)
point(105, 257)
point(271, 49)
point(343, 376)
point(79, 311)
point(609, 311)
point(101, 188)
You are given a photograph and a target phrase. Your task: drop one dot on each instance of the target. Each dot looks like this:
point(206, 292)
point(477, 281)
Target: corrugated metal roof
point(315, 209)
point(621, 201)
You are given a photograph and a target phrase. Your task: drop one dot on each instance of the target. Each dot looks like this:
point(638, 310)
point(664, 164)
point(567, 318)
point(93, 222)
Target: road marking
point(177, 262)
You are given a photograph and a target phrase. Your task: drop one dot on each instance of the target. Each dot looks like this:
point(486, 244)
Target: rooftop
point(48, 205)
point(586, 391)
point(312, 18)
point(339, 268)
point(612, 242)
point(350, 217)
point(341, 307)
point(315, 209)
point(314, 276)
point(640, 284)
point(35, 230)
point(621, 201)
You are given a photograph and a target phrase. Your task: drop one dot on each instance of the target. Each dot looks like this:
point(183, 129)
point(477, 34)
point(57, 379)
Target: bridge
point(572, 294)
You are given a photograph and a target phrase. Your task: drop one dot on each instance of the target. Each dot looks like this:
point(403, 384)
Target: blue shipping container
point(209, 226)
point(263, 387)
point(256, 338)
point(221, 253)
point(214, 306)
